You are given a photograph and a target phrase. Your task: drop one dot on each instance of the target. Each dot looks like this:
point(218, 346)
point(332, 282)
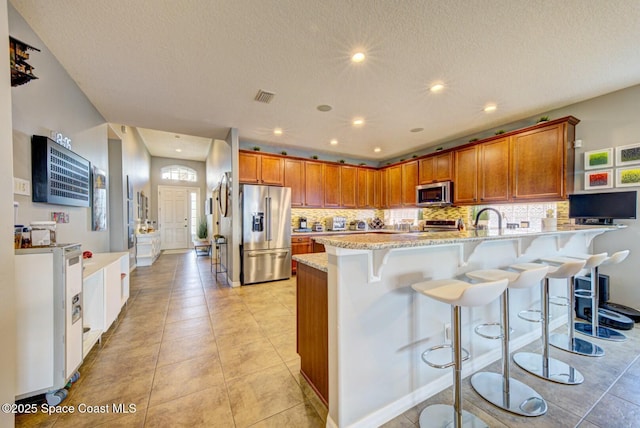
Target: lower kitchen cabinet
point(299, 245)
point(312, 334)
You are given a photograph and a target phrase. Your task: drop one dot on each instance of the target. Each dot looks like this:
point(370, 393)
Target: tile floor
point(188, 351)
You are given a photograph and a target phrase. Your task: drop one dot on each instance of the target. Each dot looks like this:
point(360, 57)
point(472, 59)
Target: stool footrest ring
point(465, 356)
point(584, 294)
point(487, 326)
point(531, 315)
point(559, 301)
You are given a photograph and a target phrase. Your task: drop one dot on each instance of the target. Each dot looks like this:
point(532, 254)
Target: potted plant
point(501, 131)
point(341, 161)
point(543, 119)
point(283, 153)
point(256, 148)
point(203, 231)
point(314, 157)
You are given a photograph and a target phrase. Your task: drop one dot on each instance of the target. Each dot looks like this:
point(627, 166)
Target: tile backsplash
point(313, 215)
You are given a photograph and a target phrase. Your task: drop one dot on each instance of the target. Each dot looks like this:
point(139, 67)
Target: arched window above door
point(178, 173)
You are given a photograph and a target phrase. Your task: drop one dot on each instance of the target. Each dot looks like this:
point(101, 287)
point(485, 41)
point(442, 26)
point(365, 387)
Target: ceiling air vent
point(264, 96)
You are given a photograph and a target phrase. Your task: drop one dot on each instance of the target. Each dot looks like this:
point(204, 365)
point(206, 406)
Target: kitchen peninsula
point(378, 327)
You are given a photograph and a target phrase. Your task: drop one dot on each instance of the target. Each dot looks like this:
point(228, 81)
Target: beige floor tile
point(285, 345)
point(188, 327)
point(206, 408)
point(226, 338)
point(186, 377)
point(177, 314)
point(278, 325)
point(174, 351)
point(612, 411)
point(250, 358)
point(263, 394)
point(300, 416)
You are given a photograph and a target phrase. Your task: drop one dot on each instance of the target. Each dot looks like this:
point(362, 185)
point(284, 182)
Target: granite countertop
point(376, 241)
point(315, 260)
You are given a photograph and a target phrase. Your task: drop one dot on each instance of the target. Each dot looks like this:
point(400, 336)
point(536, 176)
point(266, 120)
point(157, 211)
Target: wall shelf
point(21, 71)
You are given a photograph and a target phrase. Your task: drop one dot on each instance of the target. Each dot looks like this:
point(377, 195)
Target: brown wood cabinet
point(312, 328)
point(348, 188)
point(300, 245)
point(294, 178)
point(493, 171)
point(313, 184)
point(394, 186)
point(332, 187)
point(465, 182)
point(409, 183)
point(382, 181)
point(436, 168)
point(543, 160)
point(366, 188)
point(255, 168)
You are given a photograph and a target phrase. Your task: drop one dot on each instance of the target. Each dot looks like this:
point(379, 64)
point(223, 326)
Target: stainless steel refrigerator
point(266, 233)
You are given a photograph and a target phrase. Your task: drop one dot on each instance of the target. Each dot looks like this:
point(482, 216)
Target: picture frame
point(598, 179)
point(628, 177)
point(129, 189)
point(628, 155)
point(99, 200)
point(598, 159)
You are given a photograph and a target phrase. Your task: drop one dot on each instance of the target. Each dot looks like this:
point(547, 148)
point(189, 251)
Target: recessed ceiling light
point(489, 108)
point(437, 87)
point(324, 107)
point(377, 150)
point(358, 57)
point(178, 150)
point(277, 131)
point(417, 130)
point(358, 122)
point(333, 142)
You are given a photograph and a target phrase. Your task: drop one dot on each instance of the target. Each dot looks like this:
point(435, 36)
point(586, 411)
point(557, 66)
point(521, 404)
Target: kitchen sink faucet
point(489, 209)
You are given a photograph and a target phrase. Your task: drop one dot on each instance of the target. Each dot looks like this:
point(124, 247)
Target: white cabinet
point(147, 248)
point(105, 292)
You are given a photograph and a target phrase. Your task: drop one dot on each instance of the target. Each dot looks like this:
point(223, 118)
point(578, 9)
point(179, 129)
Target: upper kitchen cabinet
point(261, 169)
point(394, 186)
point(465, 181)
point(493, 171)
point(436, 168)
point(409, 183)
point(543, 161)
point(332, 189)
point(382, 187)
point(294, 178)
point(313, 184)
point(348, 179)
point(367, 191)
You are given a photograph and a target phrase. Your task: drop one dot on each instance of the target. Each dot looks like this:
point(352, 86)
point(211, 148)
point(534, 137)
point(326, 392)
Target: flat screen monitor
point(603, 208)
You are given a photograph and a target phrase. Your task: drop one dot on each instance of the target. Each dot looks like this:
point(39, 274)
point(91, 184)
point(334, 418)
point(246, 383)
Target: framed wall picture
point(99, 195)
point(628, 177)
point(628, 155)
point(129, 188)
point(600, 179)
point(596, 159)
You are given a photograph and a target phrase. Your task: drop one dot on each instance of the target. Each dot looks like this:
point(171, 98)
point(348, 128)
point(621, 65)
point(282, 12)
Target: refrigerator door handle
point(268, 215)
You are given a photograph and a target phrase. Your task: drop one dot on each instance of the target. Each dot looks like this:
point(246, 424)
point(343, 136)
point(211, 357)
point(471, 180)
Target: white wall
point(7, 286)
point(54, 102)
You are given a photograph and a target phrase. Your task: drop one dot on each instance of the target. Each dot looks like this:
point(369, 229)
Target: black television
point(602, 208)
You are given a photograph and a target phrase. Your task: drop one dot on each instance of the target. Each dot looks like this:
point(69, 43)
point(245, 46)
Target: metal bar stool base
point(521, 399)
point(442, 416)
point(602, 332)
point(556, 371)
point(579, 346)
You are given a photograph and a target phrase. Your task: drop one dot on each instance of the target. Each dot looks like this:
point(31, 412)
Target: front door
point(173, 216)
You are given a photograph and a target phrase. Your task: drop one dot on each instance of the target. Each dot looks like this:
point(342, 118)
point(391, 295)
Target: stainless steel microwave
point(435, 194)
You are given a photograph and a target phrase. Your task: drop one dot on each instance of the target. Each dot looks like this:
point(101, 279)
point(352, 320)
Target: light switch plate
point(21, 187)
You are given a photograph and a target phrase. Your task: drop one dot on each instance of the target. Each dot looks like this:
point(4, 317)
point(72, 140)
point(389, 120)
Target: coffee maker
point(303, 223)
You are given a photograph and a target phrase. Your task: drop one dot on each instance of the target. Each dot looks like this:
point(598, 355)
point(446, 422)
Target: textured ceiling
point(194, 66)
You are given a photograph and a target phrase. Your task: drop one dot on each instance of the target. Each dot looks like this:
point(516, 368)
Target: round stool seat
point(591, 260)
point(524, 279)
point(616, 258)
point(460, 293)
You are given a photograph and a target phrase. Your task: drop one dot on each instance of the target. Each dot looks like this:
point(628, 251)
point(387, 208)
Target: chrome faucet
point(489, 209)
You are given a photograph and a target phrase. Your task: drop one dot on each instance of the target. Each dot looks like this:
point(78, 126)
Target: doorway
point(177, 215)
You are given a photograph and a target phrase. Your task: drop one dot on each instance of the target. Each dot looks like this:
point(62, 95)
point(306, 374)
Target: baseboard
point(405, 403)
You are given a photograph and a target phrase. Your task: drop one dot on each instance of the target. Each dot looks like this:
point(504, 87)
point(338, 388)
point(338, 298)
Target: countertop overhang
point(380, 241)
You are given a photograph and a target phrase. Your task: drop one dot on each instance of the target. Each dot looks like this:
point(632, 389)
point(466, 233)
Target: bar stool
point(500, 389)
point(457, 294)
point(594, 329)
point(569, 342)
point(544, 366)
